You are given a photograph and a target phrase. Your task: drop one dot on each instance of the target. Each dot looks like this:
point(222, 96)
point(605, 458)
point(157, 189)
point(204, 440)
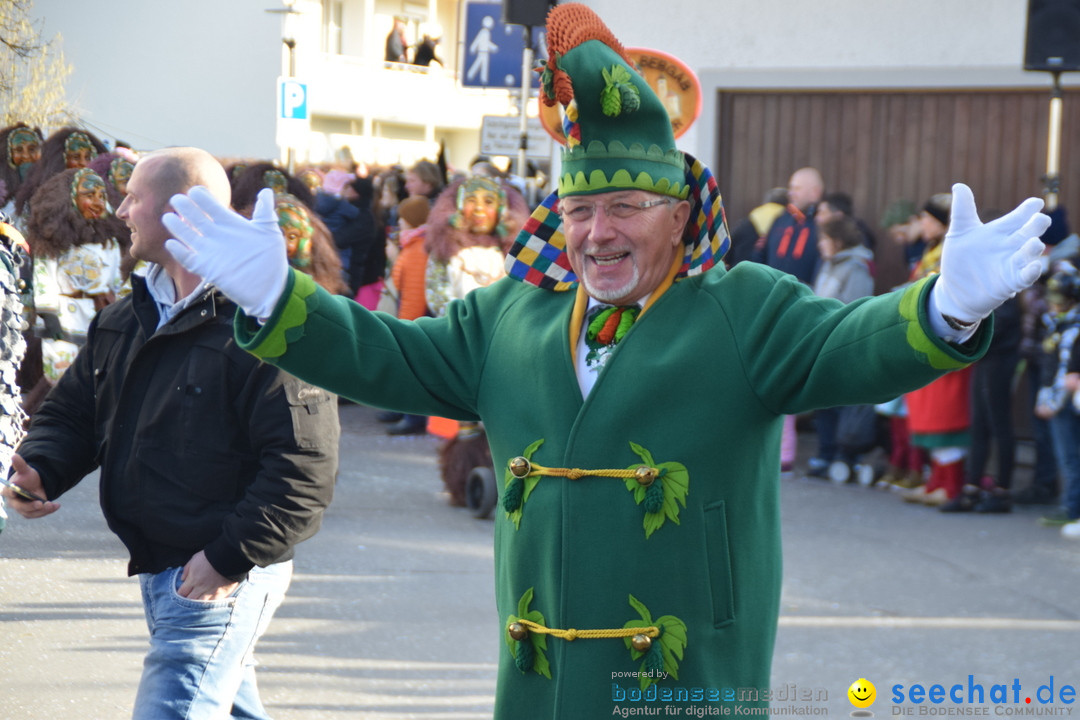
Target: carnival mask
point(24, 149)
point(88, 194)
point(275, 180)
point(119, 174)
point(480, 202)
point(78, 150)
point(297, 229)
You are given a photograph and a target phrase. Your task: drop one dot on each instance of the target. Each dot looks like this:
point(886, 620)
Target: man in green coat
point(632, 400)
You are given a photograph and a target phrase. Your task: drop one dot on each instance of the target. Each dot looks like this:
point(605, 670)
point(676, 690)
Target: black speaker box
point(526, 12)
point(1053, 35)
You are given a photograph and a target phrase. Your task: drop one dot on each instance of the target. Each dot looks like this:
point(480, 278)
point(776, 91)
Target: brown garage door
point(881, 146)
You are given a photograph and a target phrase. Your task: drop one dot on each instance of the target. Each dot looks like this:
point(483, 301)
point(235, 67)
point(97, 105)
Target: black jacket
point(201, 446)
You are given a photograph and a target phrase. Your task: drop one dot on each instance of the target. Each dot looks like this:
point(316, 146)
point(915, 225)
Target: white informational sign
point(501, 135)
point(293, 118)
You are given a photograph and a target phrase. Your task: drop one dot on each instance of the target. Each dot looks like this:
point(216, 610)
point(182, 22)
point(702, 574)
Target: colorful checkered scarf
point(538, 256)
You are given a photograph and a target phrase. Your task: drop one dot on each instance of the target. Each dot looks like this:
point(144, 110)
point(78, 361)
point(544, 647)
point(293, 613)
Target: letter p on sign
point(292, 96)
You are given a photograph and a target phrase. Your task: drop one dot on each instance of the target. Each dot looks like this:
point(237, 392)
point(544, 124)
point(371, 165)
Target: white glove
point(982, 266)
point(245, 259)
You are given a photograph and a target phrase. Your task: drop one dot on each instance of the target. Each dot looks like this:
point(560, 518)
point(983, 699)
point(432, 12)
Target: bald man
point(791, 245)
point(213, 464)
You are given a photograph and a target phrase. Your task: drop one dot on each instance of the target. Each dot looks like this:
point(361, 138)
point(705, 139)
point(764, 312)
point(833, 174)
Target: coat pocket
point(718, 558)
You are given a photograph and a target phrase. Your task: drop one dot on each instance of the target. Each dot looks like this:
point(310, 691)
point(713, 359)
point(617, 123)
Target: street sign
point(292, 99)
point(501, 135)
point(493, 48)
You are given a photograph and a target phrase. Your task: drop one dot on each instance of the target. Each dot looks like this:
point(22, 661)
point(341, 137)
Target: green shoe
point(1054, 519)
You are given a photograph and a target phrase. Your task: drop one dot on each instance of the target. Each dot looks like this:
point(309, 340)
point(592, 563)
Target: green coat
point(700, 382)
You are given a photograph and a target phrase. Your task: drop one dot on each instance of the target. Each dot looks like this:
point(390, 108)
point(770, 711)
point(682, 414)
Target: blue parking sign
point(493, 48)
point(292, 99)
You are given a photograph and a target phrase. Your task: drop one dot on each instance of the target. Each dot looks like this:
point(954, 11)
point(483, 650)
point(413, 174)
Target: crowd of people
point(938, 440)
point(408, 239)
point(195, 323)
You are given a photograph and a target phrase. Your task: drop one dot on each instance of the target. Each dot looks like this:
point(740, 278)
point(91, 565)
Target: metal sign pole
point(1053, 146)
point(526, 71)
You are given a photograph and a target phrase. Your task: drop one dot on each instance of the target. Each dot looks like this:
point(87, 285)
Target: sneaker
point(408, 426)
point(1056, 519)
point(388, 416)
point(1071, 530)
point(964, 502)
point(913, 479)
point(994, 501)
point(839, 472)
point(864, 474)
point(817, 467)
point(933, 498)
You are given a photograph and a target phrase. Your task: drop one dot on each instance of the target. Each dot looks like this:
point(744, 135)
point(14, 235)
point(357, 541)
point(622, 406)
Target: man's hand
point(245, 259)
point(28, 479)
point(982, 266)
point(202, 582)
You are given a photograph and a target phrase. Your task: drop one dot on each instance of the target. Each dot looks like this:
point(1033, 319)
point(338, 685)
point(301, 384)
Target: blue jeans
point(201, 660)
point(1065, 429)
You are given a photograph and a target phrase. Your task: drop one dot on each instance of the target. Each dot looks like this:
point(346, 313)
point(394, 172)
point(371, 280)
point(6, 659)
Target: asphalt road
point(391, 611)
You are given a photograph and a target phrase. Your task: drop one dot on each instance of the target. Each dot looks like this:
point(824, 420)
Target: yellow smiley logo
point(862, 693)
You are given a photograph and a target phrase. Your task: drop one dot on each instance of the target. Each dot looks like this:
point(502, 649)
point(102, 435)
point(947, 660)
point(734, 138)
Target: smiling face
point(78, 151)
point(862, 693)
point(480, 207)
point(620, 261)
point(88, 194)
point(24, 146)
point(141, 210)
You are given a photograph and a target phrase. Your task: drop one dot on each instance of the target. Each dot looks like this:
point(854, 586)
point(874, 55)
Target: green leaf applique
point(520, 487)
point(620, 94)
point(666, 650)
point(663, 497)
point(531, 652)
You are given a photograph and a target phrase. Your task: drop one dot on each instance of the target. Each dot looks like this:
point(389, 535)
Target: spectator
point(791, 245)
point(748, 235)
point(396, 43)
point(426, 179)
point(838, 204)
point(845, 276)
point(1054, 402)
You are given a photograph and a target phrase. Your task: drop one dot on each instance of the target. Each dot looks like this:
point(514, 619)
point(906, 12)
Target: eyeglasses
point(620, 209)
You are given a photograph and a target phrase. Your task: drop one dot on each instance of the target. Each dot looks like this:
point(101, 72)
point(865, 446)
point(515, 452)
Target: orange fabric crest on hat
point(567, 27)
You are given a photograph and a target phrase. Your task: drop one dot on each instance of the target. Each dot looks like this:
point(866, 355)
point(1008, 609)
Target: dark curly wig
point(10, 180)
point(52, 161)
point(56, 225)
point(247, 183)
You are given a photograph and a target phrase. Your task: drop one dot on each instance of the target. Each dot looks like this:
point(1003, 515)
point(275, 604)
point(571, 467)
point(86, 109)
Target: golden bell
point(645, 475)
point(641, 643)
point(518, 631)
point(520, 466)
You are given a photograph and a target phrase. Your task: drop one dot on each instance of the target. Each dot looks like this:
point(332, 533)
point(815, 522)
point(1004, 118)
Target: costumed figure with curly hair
point(115, 169)
point(247, 182)
point(77, 266)
point(67, 148)
point(20, 149)
point(309, 243)
point(470, 228)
